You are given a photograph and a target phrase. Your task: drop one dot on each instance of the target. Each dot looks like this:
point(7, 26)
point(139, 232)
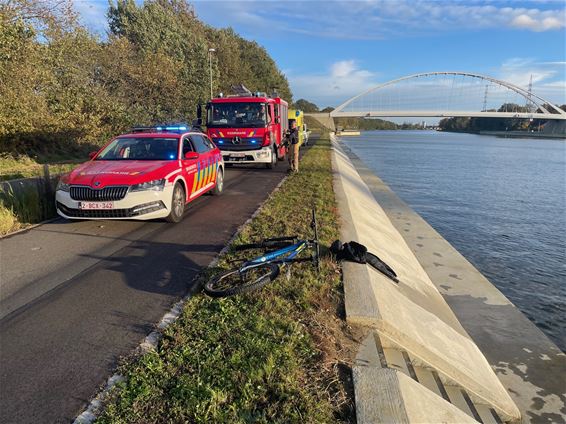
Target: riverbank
point(523, 134)
point(528, 364)
point(513, 134)
point(498, 201)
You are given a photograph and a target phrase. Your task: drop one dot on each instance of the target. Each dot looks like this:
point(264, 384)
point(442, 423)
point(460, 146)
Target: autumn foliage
point(65, 88)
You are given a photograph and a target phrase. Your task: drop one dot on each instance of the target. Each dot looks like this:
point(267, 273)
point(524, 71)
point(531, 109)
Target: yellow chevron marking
point(215, 171)
point(208, 172)
point(212, 173)
point(195, 181)
point(205, 182)
point(203, 178)
point(199, 180)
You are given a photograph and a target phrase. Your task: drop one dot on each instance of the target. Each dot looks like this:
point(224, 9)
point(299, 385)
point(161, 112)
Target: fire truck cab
point(248, 128)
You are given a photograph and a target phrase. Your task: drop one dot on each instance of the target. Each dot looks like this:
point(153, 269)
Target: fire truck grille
point(105, 194)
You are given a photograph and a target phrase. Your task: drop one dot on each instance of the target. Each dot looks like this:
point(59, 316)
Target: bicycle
point(256, 273)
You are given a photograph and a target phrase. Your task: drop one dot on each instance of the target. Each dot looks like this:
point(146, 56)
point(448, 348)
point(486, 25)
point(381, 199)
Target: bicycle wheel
point(232, 282)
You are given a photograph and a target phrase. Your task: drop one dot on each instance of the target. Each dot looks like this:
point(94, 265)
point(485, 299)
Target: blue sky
point(332, 50)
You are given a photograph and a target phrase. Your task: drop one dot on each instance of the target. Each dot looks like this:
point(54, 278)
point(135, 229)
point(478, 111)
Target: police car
point(151, 172)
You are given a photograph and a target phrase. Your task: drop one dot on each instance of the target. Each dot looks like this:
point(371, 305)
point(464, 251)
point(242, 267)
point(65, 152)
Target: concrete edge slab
point(384, 395)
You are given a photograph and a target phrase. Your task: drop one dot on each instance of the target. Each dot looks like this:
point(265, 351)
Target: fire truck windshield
point(237, 115)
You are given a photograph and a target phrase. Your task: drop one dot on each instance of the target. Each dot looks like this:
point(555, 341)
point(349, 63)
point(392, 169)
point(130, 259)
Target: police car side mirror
point(91, 155)
point(191, 155)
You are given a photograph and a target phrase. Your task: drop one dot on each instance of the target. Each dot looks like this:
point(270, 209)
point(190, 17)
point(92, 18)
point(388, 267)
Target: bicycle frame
point(292, 252)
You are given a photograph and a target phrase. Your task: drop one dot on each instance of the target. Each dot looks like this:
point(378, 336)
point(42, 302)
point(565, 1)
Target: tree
point(305, 106)
point(63, 88)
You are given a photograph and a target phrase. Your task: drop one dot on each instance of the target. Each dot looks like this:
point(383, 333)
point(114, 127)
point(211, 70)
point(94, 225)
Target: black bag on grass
point(356, 252)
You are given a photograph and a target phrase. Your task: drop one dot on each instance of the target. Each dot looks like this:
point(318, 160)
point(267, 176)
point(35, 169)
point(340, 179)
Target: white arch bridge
point(448, 94)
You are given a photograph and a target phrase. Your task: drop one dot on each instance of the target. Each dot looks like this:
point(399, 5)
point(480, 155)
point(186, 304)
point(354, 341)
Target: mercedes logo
point(236, 140)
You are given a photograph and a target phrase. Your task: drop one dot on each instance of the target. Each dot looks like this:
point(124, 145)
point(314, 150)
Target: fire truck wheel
point(283, 155)
point(273, 162)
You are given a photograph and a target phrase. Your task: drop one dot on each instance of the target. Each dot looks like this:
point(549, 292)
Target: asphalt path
point(75, 296)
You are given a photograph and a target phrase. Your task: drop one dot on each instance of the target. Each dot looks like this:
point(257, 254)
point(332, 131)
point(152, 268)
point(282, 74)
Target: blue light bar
point(176, 128)
point(253, 141)
point(220, 141)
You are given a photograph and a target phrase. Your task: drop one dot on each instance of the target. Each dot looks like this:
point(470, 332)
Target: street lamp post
point(210, 51)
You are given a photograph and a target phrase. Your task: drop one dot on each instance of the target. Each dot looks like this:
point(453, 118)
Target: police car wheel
point(217, 190)
point(177, 204)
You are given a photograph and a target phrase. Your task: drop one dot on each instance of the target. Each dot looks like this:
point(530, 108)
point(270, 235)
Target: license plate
point(96, 205)
point(237, 155)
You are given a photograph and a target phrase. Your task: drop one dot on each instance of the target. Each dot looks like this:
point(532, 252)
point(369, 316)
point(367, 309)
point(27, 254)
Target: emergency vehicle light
point(182, 128)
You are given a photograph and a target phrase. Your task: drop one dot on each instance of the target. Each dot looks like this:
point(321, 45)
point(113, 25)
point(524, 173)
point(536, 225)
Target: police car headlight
point(155, 185)
point(62, 186)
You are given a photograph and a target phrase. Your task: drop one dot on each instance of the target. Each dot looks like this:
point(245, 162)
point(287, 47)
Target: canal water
point(501, 202)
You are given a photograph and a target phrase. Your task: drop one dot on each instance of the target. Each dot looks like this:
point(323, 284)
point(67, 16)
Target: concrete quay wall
point(413, 322)
point(529, 365)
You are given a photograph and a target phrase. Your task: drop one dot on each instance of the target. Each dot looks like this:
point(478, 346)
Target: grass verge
point(14, 167)
point(29, 205)
point(32, 202)
point(278, 355)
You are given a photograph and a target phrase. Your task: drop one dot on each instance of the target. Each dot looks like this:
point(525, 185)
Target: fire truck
point(248, 127)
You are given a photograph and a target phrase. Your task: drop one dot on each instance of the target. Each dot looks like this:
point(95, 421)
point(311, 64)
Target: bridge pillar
point(324, 119)
point(555, 128)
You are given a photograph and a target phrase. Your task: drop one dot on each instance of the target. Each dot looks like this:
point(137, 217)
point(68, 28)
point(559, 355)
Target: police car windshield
point(143, 148)
point(237, 115)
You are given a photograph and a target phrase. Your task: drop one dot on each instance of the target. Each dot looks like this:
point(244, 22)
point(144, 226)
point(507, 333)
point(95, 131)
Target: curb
point(152, 339)
point(31, 227)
